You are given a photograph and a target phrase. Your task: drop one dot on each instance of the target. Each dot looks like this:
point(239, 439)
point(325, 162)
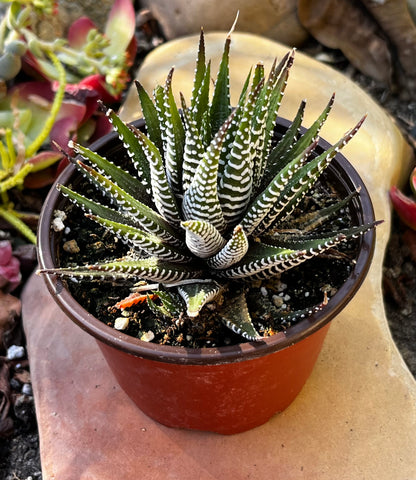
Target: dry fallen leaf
point(345, 24)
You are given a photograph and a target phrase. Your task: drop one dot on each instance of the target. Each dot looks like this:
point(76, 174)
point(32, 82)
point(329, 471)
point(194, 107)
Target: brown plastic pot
point(227, 389)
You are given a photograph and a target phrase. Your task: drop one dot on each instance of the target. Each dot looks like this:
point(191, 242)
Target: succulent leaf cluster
point(211, 186)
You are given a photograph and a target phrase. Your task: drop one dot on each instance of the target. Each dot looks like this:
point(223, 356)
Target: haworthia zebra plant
point(211, 189)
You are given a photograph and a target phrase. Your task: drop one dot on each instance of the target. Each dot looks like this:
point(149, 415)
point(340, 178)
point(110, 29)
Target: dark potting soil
point(271, 302)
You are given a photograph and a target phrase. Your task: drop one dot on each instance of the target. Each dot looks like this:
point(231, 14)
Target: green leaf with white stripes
point(237, 318)
point(143, 241)
point(123, 179)
point(280, 154)
point(151, 269)
point(173, 137)
point(232, 252)
point(236, 182)
point(202, 238)
point(150, 115)
point(145, 216)
point(200, 201)
point(196, 295)
point(302, 180)
point(220, 105)
point(163, 196)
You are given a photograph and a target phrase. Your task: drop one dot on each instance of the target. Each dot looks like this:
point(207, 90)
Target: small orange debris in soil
point(133, 299)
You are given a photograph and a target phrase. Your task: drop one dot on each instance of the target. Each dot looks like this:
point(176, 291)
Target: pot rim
point(339, 166)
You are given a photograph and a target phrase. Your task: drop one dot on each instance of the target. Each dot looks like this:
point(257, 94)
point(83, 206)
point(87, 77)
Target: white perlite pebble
point(148, 336)
point(15, 351)
point(121, 323)
point(58, 221)
point(59, 214)
point(58, 224)
point(27, 389)
point(282, 287)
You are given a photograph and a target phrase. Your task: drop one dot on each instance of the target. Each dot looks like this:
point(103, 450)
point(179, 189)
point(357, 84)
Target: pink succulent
point(405, 206)
point(10, 276)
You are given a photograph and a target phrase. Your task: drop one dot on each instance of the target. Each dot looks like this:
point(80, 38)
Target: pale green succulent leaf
point(171, 306)
point(236, 317)
point(196, 295)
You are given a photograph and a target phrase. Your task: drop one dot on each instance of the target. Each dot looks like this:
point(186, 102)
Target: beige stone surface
point(276, 19)
point(356, 416)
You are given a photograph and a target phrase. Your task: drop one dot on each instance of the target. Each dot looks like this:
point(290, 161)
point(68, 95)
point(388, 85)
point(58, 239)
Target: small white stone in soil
point(264, 291)
point(58, 224)
point(189, 338)
point(148, 336)
point(277, 301)
point(121, 323)
point(282, 287)
point(27, 389)
point(307, 294)
point(15, 351)
point(286, 298)
point(59, 214)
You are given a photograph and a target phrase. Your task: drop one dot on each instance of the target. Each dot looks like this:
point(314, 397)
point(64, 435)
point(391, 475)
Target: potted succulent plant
point(204, 211)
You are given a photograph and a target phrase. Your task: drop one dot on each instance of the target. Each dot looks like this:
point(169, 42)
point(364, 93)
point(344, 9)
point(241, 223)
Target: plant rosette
point(229, 388)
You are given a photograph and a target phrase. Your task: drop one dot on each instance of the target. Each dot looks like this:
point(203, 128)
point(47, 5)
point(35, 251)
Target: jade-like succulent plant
point(211, 185)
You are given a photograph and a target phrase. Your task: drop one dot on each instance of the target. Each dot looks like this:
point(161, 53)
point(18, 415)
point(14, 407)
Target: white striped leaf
point(196, 295)
point(202, 238)
point(200, 201)
point(232, 252)
point(140, 240)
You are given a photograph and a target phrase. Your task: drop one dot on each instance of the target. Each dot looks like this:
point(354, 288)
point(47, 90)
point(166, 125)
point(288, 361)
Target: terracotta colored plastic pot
point(227, 389)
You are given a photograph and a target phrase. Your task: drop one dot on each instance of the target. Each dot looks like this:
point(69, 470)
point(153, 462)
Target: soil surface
point(19, 451)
